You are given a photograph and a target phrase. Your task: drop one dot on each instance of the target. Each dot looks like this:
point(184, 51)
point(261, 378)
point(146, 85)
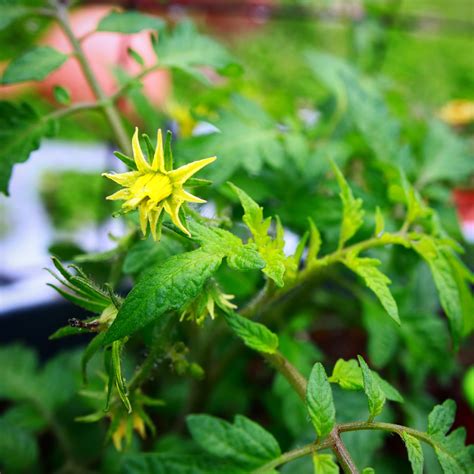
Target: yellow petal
point(139, 425)
point(132, 203)
point(172, 208)
point(143, 218)
point(183, 173)
point(210, 307)
point(159, 157)
point(124, 179)
point(122, 194)
point(153, 217)
point(138, 156)
point(185, 196)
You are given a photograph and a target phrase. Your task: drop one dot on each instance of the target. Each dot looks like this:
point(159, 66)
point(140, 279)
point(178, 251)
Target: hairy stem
point(342, 454)
point(107, 106)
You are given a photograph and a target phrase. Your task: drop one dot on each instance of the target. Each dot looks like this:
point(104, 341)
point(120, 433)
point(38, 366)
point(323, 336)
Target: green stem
point(290, 372)
point(292, 455)
point(107, 106)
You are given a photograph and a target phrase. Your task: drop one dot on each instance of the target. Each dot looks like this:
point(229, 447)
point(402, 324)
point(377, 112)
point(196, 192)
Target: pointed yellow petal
point(132, 203)
point(122, 194)
point(143, 218)
point(124, 179)
point(185, 196)
point(153, 217)
point(159, 157)
point(172, 208)
point(183, 173)
point(138, 156)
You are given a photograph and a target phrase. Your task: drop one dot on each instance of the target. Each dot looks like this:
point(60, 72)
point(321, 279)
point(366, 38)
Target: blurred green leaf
point(129, 22)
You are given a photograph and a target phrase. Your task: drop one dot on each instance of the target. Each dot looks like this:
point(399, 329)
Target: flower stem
point(107, 106)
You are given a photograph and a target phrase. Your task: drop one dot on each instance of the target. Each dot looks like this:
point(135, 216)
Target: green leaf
point(324, 464)
point(347, 374)
point(62, 95)
point(352, 212)
point(244, 442)
point(368, 470)
point(225, 244)
point(245, 131)
point(255, 335)
point(415, 453)
point(367, 269)
point(166, 463)
point(319, 401)
point(18, 448)
point(453, 455)
point(34, 65)
point(12, 10)
point(379, 222)
point(184, 48)
point(129, 22)
point(314, 242)
point(271, 250)
point(441, 418)
point(21, 130)
point(375, 395)
point(445, 280)
point(117, 374)
point(165, 287)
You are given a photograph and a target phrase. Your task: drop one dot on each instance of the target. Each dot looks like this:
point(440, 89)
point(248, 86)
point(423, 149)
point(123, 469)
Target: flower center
point(155, 186)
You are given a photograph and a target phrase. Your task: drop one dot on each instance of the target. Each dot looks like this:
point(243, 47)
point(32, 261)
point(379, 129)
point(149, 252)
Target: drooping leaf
point(324, 464)
point(34, 65)
point(352, 212)
point(415, 453)
point(367, 269)
point(21, 130)
point(255, 335)
point(319, 401)
point(129, 22)
point(243, 443)
point(375, 395)
point(166, 287)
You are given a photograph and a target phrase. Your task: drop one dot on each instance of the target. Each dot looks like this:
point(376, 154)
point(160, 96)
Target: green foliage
point(254, 335)
point(21, 130)
point(372, 389)
point(324, 464)
point(319, 401)
point(34, 65)
point(415, 453)
point(129, 22)
point(244, 443)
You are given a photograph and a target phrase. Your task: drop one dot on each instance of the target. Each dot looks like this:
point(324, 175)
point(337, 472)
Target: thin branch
point(342, 454)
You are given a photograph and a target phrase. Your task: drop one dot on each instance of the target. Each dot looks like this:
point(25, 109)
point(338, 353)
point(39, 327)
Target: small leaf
point(415, 453)
point(117, 373)
point(314, 242)
point(375, 395)
point(347, 374)
point(255, 335)
point(129, 22)
point(34, 65)
point(352, 212)
point(379, 222)
point(324, 464)
point(367, 269)
point(319, 401)
point(135, 56)
point(62, 95)
point(441, 418)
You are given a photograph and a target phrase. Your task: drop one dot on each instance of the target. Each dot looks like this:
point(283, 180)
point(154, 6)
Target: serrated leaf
point(34, 65)
point(244, 442)
point(255, 335)
point(375, 395)
point(319, 401)
point(367, 269)
point(271, 250)
point(21, 130)
point(184, 48)
point(415, 453)
point(221, 242)
point(129, 22)
point(165, 287)
point(441, 418)
point(324, 464)
point(352, 212)
point(452, 454)
point(443, 275)
point(18, 448)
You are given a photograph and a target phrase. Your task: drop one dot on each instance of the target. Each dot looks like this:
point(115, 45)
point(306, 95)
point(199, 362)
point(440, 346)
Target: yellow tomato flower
point(121, 431)
point(153, 189)
point(458, 112)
